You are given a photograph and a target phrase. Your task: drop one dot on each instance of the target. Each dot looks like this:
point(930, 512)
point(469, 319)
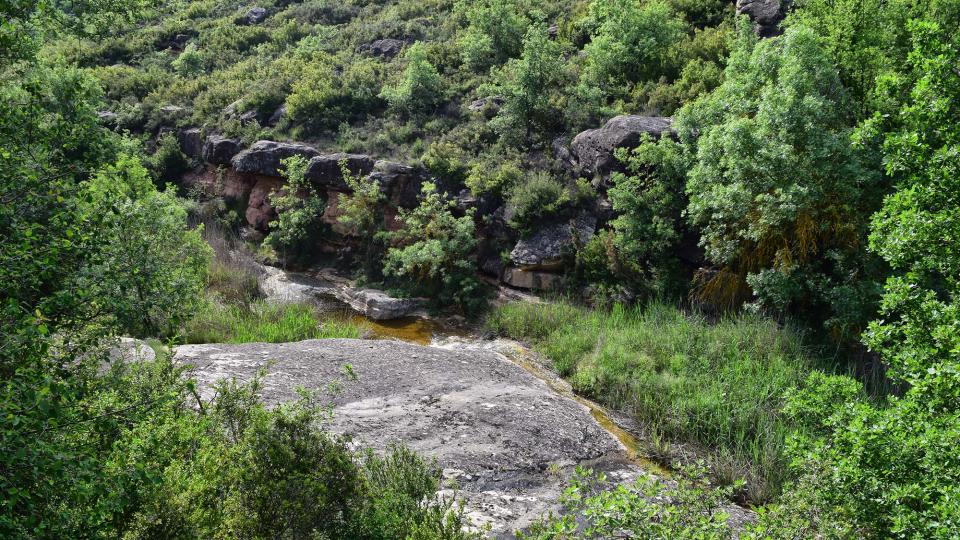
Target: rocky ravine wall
point(247, 176)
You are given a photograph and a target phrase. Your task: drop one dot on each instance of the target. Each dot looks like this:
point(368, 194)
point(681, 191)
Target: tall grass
point(264, 322)
point(719, 385)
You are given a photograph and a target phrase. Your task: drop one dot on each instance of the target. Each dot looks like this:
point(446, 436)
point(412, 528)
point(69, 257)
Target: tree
point(420, 87)
point(494, 33)
point(649, 227)
point(148, 268)
point(434, 252)
point(299, 209)
point(531, 86)
point(631, 44)
point(361, 213)
point(891, 469)
point(777, 190)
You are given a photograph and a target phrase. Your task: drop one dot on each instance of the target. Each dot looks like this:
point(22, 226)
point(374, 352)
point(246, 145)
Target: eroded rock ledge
point(246, 177)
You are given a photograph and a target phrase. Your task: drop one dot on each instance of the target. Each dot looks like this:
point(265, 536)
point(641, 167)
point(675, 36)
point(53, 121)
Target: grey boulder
point(255, 15)
point(400, 183)
point(386, 48)
point(219, 150)
point(765, 14)
point(190, 142)
point(324, 170)
point(265, 157)
point(548, 246)
point(593, 149)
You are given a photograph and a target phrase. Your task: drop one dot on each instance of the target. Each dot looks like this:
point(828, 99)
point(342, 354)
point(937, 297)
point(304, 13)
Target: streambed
point(505, 430)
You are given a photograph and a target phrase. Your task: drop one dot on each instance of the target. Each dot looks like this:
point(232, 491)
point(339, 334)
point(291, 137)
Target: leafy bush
point(190, 61)
point(299, 209)
point(648, 228)
point(647, 508)
point(531, 86)
point(779, 194)
point(361, 214)
point(719, 386)
point(328, 92)
point(494, 33)
point(434, 252)
point(147, 268)
point(890, 469)
point(420, 87)
point(539, 197)
point(632, 43)
point(234, 468)
point(168, 163)
point(494, 174)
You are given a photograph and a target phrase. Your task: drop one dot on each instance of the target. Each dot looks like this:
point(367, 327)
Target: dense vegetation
point(815, 175)
point(91, 448)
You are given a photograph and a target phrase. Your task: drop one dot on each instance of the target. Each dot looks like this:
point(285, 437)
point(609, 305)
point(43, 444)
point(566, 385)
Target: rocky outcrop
point(107, 118)
point(385, 48)
point(546, 249)
point(218, 150)
point(190, 141)
point(259, 212)
point(324, 170)
point(523, 278)
point(254, 15)
point(264, 157)
point(592, 151)
point(506, 437)
point(400, 183)
point(321, 287)
point(765, 14)
point(488, 106)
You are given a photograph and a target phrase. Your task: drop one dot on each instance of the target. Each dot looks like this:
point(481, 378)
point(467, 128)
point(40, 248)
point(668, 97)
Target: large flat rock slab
point(506, 438)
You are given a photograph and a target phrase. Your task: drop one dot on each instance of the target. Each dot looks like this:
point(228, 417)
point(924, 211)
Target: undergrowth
point(264, 322)
point(711, 385)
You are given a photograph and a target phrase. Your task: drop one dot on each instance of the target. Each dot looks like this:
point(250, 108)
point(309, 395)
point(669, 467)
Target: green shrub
point(540, 196)
point(263, 322)
point(329, 92)
point(646, 508)
point(649, 226)
point(433, 252)
point(361, 214)
point(494, 174)
point(532, 88)
point(190, 61)
point(299, 208)
point(168, 163)
point(494, 33)
point(719, 386)
point(445, 160)
point(420, 87)
point(778, 191)
point(631, 44)
point(234, 468)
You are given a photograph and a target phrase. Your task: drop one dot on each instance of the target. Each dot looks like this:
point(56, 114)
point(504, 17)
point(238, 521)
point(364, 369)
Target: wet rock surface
point(502, 434)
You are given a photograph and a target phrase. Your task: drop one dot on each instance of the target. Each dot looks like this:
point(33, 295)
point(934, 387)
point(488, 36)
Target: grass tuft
point(264, 322)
